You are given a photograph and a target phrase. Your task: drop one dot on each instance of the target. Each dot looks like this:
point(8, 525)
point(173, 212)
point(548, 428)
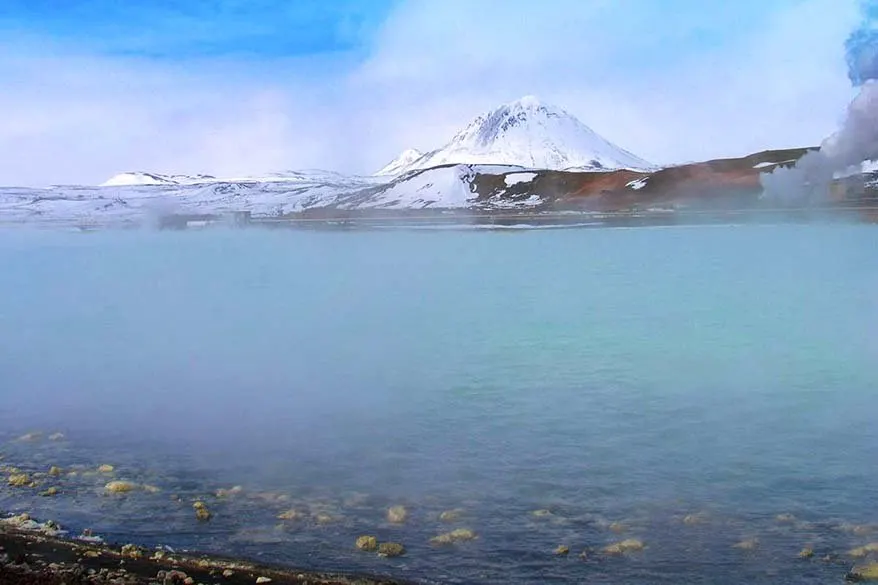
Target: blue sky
point(236, 86)
point(180, 29)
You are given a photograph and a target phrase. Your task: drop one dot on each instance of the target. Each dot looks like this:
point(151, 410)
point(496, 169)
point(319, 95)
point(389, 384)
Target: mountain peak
point(528, 102)
point(399, 164)
point(530, 133)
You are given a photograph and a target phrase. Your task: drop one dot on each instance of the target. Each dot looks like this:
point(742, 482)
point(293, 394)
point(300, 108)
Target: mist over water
point(607, 375)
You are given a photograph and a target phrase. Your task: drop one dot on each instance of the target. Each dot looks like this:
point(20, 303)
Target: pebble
point(262, 580)
point(120, 487)
point(18, 480)
point(367, 543)
point(55, 471)
point(202, 514)
point(459, 535)
point(131, 551)
point(228, 573)
point(391, 549)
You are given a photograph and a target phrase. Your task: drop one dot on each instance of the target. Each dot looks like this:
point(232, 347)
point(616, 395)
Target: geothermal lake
point(692, 388)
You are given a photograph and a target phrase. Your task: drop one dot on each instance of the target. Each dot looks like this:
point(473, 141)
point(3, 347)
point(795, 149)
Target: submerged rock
point(862, 551)
point(626, 546)
point(55, 471)
point(57, 437)
point(562, 551)
point(106, 469)
point(868, 572)
point(225, 493)
point(806, 553)
point(151, 489)
point(695, 519)
point(391, 549)
point(749, 544)
point(324, 519)
point(290, 515)
point(30, 437)
point(19, 480)
point(120, 487)
point(397, 514)
point(541, 513)
point(857, 529)
point(451, 515)
point(52, 491)
point(617, 527)
point(785, 518)
point(459, 535)
point(367, 543)
point(202, 514)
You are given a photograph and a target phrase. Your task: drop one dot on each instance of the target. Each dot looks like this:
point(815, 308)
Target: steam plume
point(857, 139)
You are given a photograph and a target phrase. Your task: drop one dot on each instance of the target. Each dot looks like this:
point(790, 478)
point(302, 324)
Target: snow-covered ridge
point(132, 179)
point(530, 134)
point(400, 163)
point(142, 178)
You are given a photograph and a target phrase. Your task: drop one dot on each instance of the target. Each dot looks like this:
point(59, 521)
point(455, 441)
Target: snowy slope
point(138, 178)
point(397, 165)
point(530, 134)
point(444, 187)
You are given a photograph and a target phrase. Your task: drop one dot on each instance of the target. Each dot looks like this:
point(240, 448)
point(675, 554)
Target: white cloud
point(777, 79)
point(81, 119)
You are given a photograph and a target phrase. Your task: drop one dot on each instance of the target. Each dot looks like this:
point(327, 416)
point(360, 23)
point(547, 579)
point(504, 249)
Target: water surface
point(631, 376)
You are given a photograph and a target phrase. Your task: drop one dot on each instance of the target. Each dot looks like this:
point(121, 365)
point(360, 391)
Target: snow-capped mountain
point(400, 163)
point(530, 134)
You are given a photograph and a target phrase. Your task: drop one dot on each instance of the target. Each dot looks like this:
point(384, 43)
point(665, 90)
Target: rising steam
point(857, 139)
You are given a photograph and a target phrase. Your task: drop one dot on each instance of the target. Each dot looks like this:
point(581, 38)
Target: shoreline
point(468, 219)
point(32, 557)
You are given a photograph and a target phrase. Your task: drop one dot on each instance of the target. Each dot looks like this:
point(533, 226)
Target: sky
point(91, 88)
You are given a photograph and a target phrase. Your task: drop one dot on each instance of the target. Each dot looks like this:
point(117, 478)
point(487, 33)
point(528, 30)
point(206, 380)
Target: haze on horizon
point(231, 88)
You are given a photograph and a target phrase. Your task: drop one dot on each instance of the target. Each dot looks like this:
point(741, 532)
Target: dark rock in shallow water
point(30, 558)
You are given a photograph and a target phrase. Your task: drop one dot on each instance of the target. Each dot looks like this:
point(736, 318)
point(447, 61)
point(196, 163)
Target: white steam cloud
point(855, 142)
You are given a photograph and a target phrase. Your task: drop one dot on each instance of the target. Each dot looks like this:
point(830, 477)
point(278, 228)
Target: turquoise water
point(634, 376)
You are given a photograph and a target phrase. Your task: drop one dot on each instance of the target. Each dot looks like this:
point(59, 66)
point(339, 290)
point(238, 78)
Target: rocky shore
point(37, 557)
